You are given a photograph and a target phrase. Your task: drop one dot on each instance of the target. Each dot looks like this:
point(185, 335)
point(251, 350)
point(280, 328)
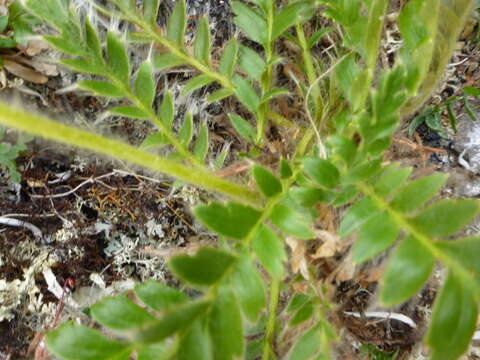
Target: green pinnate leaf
point(465, 251)
point(309, 196)
point(93, 41)
point(304, 313)
point(195, 343)
point(145, 84)
point(53, 11)
point(120, 314)
point(250, 21)
point(362, 171)
point(269, 95)
point(129, 111)
point(196, 83)
point(166, 61)
point(150, 10)
point(118, 58)
point(346, 73)
point(357, 215)
point(248, 287)
point(376, 235)
point(254, 348)
point(243, 127)
point(391, 179)
point(186, 131)
point(322, 171)
point(3, 23)
point(291, 221)
point(390, 94)
point(179, 318)
point(471, 91)
point(377, 9)
point(418, 192)
point(158, 351)
point(343, 147)
point(64, 45)
point(245, 93)
point(201, 45)
point(308, 345)
point(201, 144)
point(446, 217)
point(229, 58)
point(102, 88)
point(159, 297)
point(268, 248)
point(453, 320)
point(231, 220)
point(155, 140)
point(408, 269)
point(297, 301)
point(251, 62)
point(225, 325)
point(317, 35)
point(268, 183)
point(166, 111)
point(291, 15)
point(347, 195)
point(285, 169)
point(177, 23)
point(82, 66)
point(206, 267)
point(219, 95)
point(75, 342)
point(221, 157)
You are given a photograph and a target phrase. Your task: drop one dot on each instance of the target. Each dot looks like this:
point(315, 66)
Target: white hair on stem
point(320, 145)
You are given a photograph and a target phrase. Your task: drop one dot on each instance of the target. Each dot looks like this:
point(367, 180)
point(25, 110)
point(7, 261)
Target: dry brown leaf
point(346, 270)
point(326, 217)
point(24, 72)
point(43, 67)
point(371, 275)
point(35, 47)
point(298, 259)
point(329, 246)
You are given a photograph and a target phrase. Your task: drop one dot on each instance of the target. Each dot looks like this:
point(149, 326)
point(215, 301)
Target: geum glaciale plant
point(338, 161)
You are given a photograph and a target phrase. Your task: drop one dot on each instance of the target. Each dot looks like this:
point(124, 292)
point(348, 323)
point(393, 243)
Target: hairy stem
point(262, 113)
point(310, 71)
point(272, 316)
point(159, 124)
point(40, 126)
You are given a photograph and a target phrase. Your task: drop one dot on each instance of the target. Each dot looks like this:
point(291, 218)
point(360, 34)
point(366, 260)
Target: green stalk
point(182, 54)
point(373, 37)
point(310, 71)
point(154, 33)
point(41, 126)
point(272, 316)
point(452, 17)
point(400, 219)
point(262, 113)
point(182, 150)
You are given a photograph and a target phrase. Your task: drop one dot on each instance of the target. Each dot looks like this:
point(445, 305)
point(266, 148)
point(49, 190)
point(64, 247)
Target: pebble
point(467, 143)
